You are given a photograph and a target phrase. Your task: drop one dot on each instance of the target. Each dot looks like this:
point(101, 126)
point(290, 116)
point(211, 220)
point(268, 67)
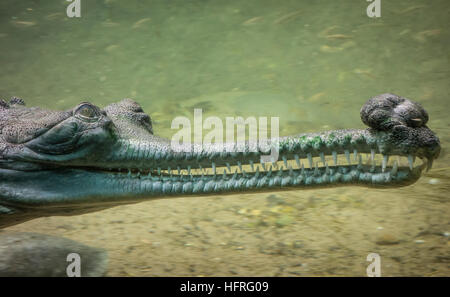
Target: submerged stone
point(38, 255)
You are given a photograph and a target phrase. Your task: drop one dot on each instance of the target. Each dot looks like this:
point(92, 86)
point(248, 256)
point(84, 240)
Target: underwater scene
point(364, 179)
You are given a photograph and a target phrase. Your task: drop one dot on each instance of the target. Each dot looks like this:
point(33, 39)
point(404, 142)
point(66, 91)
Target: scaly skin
point(87, 159)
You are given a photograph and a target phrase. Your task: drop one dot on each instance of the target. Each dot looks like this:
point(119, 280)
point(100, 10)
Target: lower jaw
point(345, 175)
point(107, 189)
point(77, 185)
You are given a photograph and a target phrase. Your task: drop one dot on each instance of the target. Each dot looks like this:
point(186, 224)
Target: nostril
point(416, 122)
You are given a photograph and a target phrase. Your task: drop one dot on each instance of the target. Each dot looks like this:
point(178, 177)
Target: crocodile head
point(87, 158)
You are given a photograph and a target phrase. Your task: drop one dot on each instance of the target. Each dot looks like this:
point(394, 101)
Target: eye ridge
point(87, 111)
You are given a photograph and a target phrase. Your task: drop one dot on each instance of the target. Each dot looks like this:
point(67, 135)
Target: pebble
point(386, 239)
point(297, 244)
point(284, 220)
point(446, 234)
point(274, 200)
point(255, 212)
point(419, 241)
point(242, 211)
point(434, 181)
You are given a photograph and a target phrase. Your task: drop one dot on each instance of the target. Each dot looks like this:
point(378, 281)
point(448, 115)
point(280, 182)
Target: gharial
point(86, 159)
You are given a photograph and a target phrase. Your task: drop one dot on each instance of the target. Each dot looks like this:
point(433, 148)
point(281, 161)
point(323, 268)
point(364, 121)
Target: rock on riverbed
point(32, 254)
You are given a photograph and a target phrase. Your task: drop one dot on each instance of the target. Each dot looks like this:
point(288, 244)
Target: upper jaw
point(331, 149)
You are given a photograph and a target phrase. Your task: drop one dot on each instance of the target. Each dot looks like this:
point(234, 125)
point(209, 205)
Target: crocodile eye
point(87, 112)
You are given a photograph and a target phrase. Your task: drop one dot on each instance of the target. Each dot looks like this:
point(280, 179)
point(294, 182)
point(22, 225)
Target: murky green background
point(312, 63)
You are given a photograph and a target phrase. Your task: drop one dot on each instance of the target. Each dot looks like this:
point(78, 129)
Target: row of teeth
point(310, 162)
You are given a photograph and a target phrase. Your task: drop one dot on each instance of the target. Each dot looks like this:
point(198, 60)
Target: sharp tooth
point(159, 170)
point(285, 161)
point(263, 165)
point(316, 170)
point(309, 156)
point(257, 172)
point(269, 173)
point(228, 166)
point(355, 154)
point(280, 172)
point(129, 172)
point(322, 157)
point(251, 165)
point(169, 170)
point(372, 156)
point(189, 169)
point(214, 167)
point(359, 162)
point(224, 175)
point(334, 157)
point(327, 170)
point(235, 174)
point(429, 163)
point(239, 165)
point(347, 156)
point(178, 169)
point(384, 163)
point(149, 173)
point(291, 172)
point(303, 170)
point(394, 168)
point(410, 161)
point(297, 160)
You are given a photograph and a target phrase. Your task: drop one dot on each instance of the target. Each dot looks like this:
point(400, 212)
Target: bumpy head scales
point(384, 112)
point(404, 120)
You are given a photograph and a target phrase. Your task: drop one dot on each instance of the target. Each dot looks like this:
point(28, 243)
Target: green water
point(312, 63)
